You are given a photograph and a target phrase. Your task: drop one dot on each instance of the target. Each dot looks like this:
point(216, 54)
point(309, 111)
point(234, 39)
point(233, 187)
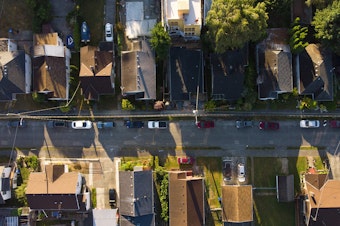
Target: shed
point(285, 188)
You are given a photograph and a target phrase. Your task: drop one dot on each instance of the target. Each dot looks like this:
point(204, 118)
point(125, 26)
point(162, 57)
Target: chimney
point(92, 68)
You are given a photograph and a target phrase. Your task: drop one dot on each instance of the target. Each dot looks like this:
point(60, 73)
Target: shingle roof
point(52, 181)
point(12, 74)
point(315, 76)
point(185, 72)
point(186, 199)
point(228, 74)
point(237, 203)
point(138, 73)
point(95, 72)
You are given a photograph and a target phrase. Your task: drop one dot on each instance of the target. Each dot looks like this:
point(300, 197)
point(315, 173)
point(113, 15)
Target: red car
point(185, 160)
point(335, 124)
point(269, 125)
point(205, 124)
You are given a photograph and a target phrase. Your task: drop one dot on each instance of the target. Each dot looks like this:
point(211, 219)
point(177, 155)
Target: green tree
point(164, 198)
point(298, 35)
point(160, 41)
point(326, 23)
point(233, 23)
point(20, 194)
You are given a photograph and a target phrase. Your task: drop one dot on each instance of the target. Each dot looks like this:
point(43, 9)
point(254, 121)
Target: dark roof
point(5, 184)
point(56, 202)
point(139, 72)
point(274, 64)
point(228, 74)
point(95, 72)
point(12, 74)
point(186, 199)
point(285, 188)
point(145, 220)
point(185, 73)
point(324, 216)
point(136, 193)
point(315, 74)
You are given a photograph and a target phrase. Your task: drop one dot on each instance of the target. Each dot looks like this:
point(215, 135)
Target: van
point(241, 172)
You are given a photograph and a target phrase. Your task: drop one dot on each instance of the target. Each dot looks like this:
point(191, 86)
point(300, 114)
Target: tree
point(233, 23)
point(326, 23)
point(298, 35)
point(319, 4)
point(160, 41)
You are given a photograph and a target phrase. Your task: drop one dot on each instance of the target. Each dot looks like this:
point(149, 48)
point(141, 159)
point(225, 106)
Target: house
point(285, 188)
point(138, 72)
point(15, 70)
point(185, 74)
point(136, 198)
point(140, 18)
point(315, 74)
point(237, 204)
point(186, 199)
point(5, 184)
point(183, 18)
point(321, 200)
point(227, 72)
point(56, 189)
point(96, 72)
point(51, 66)
point(274, 65)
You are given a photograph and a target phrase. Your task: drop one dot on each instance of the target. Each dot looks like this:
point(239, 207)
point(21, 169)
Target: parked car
point(20, 123)
point(243, 124)
point(108, 32)
point(241, 172)
point(112, 197)
point(57, 124)
point(185, 160)
point(227, 170)
point(263, 125)
point(309, 123)
point(134, 124)
point(205, 124)
point(157, 125)
point(81, 124)
point(103, 125)
point(335, 123)
point(85, 32)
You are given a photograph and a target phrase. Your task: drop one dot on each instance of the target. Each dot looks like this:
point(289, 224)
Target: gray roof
point(285, 188)
point(275, 73)
point(185, 72)
point(136, 193)
point(228, 74)
point(12, 74)
point(104, 217)
point(138, 73)
point(315, 76)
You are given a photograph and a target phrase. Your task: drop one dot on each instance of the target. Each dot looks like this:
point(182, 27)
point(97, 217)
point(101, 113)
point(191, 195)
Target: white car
point(157, 125)
point(241, 172)
point(108, 32)
point(82, 124)
point(309, 123)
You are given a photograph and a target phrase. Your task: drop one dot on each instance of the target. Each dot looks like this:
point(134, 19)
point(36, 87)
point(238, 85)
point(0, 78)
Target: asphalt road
point(185, 134)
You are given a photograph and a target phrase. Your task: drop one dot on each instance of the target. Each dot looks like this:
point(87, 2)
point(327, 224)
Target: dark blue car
point(85, 32)
point(134, 124)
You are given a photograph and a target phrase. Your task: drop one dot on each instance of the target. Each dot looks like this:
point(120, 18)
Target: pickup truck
point(157, 125)
point(102, 125)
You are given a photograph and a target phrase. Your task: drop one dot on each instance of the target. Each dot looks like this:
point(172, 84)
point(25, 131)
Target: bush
point(127, 105)
point(94, 197)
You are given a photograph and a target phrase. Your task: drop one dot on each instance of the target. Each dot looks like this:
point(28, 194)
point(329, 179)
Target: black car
point(112, 197)
point(227, 171)
point(57, 124)
point(17, 123)
point(134, 124)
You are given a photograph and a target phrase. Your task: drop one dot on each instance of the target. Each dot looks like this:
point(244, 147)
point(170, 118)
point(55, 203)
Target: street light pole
point(196, 110)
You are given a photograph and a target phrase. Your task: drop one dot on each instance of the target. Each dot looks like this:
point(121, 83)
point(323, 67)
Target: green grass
point(296, 166)
point(265, 170)
point(268, 212)
point(92, 13)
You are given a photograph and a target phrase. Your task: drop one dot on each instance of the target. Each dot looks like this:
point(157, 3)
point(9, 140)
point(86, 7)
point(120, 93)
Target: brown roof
point(53, 181)
point(46, 39)
point(186, 199)
point(95, 72)
point(323, 193)
point(50, 75)
point(237, 202)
